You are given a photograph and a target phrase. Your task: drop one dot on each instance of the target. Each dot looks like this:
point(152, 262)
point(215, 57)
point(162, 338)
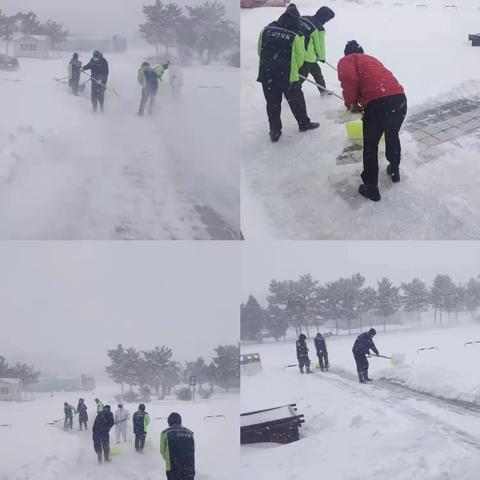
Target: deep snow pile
point(379, 430)
point(67, 174)
point(33, 450)
point(296, 190)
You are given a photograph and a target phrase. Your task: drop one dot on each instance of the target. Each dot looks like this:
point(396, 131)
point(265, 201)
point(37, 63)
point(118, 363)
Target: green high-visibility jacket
point(141, 78)
point(100, 407)
point(282, 53)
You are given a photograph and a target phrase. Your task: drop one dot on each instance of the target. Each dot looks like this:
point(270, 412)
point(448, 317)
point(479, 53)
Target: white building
point(10, 389)
point(33, 46)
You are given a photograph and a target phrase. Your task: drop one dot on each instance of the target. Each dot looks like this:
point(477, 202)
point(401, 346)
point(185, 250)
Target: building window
point(33, 47)
point(4, 391)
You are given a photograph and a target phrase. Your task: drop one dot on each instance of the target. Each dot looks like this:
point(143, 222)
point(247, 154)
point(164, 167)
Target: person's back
point(177, 446)
point(363, 344)
point(365, 78)
point(139, 422)
point(320, 344)
point(302, 349)
point(281, 51)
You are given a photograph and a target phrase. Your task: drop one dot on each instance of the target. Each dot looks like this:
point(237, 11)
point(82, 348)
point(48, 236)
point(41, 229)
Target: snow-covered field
point(296, 190)
point(419, 419)
point(68, 174)
point(33, 450)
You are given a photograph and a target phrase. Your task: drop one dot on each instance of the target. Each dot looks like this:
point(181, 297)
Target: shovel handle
point(320, 87)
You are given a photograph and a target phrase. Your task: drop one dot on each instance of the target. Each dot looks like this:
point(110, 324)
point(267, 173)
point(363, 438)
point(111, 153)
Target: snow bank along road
point(33, 450)
point(68, 174)
point(355, 431)
point(301, 189)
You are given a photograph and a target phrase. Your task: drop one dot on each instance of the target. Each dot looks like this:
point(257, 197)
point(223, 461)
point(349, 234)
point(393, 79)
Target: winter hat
point(174, 419)
point(324, 14)
point(107, 407)
point(372, 332)
point(352, 46)
point(75, 56)
point(302, 336)
point(292, 10)
point(145, 64)
point(141, 407)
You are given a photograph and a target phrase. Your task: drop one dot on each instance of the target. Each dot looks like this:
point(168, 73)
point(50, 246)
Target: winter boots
point(370, 191)
point(363, 376)
point(308, 126)
point(275, 136)
point(394, 173)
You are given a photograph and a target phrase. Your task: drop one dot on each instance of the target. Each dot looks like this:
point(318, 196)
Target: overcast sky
point(327, 261)
point(64, 304)
point(99, 17)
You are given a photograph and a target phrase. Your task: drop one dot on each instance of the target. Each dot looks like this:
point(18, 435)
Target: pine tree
point(157, 361)
point(8, 27)
point(388, 301)
point(252, 319)
point(471, 296)
point(162, 24)
point(55, 32)
point(28, 23)
point(276, 322)
point(367, 303)
point(443, 295)
point(227, 363)
point(415, 297)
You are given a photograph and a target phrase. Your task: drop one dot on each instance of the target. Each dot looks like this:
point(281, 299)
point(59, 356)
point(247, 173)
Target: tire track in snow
point(399, 399)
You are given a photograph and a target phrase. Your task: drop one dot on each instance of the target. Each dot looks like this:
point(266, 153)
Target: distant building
point(33, 46)
point(10, 389)
point(56, 384)
point(88, 383)
point(115, 44)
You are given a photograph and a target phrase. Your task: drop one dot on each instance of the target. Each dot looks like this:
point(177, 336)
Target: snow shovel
point(290, 366)
point(354, 127)
point(60, 79)
point(471, 343)
point(106, 87)
point(326, 90)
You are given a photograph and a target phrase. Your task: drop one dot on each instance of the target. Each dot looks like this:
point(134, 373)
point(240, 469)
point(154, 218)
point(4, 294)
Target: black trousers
point(98, 93)
point(180, 476)
point(82, 422)
point(140, 441)
point(362, 364)
point(323, 361)
point(101, 444)
point(382, 116)
point(148, 95)
point(304, 362)
point(316, 71)
point(294, 95)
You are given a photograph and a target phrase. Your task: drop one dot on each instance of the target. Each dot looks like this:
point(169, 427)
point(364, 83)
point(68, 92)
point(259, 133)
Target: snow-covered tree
point(367, 303)
point(471, 296)
point(388, 300)
point(8, 27)
point(252, 319)
point(227, 363)
point(415, 297)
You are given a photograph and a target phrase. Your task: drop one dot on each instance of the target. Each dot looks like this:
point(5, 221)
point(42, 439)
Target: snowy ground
point(67, 174)
point(296, 189)
point(425, 428)
point(34, 450)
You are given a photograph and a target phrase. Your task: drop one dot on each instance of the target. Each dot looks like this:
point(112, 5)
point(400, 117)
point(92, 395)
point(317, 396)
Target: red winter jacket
point(364, 79)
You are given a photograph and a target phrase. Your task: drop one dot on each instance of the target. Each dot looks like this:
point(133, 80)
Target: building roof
point(40, 38)
point(11, 381)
